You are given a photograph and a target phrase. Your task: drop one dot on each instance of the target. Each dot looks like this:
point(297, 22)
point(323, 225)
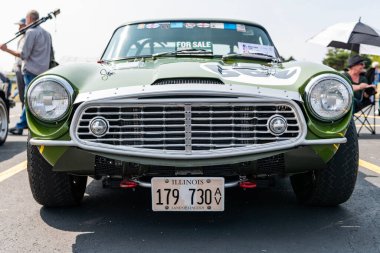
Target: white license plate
point(196, 194)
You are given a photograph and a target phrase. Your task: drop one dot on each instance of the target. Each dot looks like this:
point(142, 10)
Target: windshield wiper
point(260, 56)
point(190, 51)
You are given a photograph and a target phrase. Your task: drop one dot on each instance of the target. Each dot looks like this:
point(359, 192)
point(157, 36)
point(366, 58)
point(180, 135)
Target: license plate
point(195, 194)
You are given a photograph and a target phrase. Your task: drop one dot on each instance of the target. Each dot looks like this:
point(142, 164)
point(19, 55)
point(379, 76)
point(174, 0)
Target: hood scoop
point(176, 81)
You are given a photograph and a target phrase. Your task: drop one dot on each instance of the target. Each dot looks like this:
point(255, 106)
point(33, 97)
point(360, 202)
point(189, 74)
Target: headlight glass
point(49, 98)
point(329, 97)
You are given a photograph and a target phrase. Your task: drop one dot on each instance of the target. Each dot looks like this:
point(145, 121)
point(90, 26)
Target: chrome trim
point(188, 146)
point(324, 141)
point(51, 143)
point(315, 81)
point(58, 80)
point(149, 185)
point(57, 143)
point(206, 154)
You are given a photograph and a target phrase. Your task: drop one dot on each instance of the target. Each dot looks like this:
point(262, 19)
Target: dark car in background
point(5, 105)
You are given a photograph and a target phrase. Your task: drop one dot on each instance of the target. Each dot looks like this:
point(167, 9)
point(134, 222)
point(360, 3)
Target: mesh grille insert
point(188, 81)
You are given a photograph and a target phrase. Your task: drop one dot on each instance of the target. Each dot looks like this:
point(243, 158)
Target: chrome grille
point(187, 81)
point(188, 127)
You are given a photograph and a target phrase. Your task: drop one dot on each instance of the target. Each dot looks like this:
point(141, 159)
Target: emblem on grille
point(99, 126)
point(277, 124)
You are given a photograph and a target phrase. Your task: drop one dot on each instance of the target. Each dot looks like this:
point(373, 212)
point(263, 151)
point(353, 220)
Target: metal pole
point(35, 24)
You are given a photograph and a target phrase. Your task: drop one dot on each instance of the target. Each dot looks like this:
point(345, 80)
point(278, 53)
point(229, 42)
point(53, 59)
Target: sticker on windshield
point(249, 48)
point(217, 25)
point(203, 25)
point(152, 26)
point(140, 26)
point(190, 25)
point(197, 45)
point(240, 28)
point(165, 25)
point(176, 25)
point(229, 26)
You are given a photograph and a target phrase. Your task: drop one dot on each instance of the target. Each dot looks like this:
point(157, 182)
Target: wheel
point(4, 122)
point(334, 184)
point(52, 189)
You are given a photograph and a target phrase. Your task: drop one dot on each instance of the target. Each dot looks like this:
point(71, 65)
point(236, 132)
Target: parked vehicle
point(5, 104)
point(189, 108)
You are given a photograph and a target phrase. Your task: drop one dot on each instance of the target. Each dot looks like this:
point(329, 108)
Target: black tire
point(53, 189)
point(334, 184)
point(4, 122)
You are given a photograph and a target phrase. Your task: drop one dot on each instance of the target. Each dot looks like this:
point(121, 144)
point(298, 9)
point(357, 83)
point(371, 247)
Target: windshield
point(206, 38)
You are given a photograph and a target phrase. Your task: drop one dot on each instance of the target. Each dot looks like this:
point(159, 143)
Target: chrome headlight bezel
point(317, 80)
point(58, 80)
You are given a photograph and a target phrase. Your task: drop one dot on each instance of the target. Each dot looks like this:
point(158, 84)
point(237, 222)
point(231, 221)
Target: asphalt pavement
point(258, 220)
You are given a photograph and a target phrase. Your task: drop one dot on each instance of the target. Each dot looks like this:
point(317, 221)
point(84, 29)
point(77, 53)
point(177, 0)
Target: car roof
point(221, 20)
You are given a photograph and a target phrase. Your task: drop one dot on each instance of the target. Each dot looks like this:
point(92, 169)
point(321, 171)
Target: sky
point(84, 27)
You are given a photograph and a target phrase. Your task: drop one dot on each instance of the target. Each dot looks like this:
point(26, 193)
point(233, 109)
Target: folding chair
point(364, 117)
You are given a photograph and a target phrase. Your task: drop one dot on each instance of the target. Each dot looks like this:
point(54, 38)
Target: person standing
point(18, 63)
point(373, 73)
point(373, 76)
point(36, 56)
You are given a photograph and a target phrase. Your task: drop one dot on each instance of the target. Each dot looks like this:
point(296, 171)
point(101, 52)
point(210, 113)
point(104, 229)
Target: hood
point(87, 77)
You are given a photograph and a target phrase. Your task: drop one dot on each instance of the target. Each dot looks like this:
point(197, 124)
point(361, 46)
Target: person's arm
point(28, 45)
point(10, 51)
point(362, 86)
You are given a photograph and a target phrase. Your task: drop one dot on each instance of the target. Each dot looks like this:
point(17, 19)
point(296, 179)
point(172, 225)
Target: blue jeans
point(28, 77)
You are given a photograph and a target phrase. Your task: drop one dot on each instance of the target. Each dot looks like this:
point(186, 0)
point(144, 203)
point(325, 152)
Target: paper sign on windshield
point(203, 45)
point(248, 48)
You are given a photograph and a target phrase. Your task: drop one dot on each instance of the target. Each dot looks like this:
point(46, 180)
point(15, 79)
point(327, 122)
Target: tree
point(337, 58)
point(375, 58)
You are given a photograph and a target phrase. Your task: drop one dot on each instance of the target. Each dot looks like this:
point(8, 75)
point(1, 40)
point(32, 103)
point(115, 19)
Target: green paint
point(86, 77)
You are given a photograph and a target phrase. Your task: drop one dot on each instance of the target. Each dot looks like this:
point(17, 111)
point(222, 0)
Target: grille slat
point(188, 127)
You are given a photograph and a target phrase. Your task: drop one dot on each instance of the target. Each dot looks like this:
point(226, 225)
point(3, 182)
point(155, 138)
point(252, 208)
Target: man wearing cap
point(17, 68)
point(36, 56)
point(363, 92)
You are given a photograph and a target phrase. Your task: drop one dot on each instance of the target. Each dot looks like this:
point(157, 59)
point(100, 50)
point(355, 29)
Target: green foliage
point(368, 60)
point(375, 58)
point(337, 58)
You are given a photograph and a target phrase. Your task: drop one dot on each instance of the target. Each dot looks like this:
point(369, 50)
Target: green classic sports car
point(189, 108)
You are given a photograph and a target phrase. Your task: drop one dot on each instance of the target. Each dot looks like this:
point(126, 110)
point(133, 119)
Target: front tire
point(53, 189)
point(4, 122)
point(334, 184)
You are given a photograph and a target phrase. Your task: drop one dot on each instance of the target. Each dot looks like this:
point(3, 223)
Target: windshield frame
point(188, 20)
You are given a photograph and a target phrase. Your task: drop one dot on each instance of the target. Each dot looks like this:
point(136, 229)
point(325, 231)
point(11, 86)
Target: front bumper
point(185, 161)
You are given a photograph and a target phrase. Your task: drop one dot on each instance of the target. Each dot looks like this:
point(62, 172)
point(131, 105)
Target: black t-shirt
point(362, 79)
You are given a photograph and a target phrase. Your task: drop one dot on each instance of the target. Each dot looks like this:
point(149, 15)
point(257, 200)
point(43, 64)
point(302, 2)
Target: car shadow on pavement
point(11, 149)
point(260, 220)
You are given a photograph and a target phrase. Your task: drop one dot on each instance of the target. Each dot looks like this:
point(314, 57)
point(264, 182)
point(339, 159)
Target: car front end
point(166, 109)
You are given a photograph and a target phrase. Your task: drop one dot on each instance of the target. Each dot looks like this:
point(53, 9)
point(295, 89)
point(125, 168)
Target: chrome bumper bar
point(55, 143)
point(149, 185)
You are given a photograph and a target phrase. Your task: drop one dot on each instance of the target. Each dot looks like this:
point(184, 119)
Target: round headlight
point(49, 98)
point(329, 97)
